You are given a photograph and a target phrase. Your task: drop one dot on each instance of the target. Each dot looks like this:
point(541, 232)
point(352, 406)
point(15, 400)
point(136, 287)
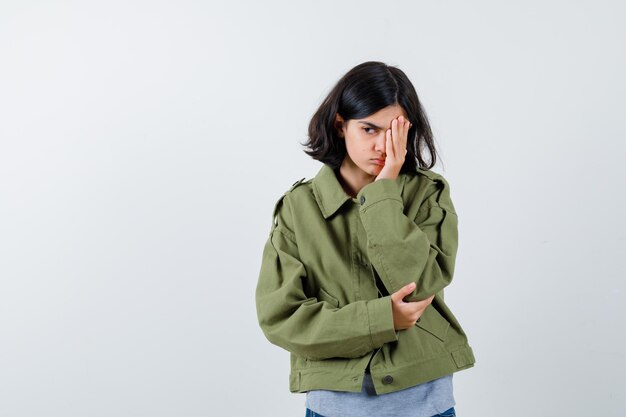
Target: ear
point(339, 124)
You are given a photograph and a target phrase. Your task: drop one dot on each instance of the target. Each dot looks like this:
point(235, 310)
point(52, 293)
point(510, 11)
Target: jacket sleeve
point(304, 325)
point(402, 249)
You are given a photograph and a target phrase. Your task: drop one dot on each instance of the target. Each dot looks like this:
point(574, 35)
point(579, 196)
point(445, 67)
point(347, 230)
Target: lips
point(379, 161)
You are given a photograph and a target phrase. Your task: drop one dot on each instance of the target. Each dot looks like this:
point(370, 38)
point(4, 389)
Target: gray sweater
point(423, 400)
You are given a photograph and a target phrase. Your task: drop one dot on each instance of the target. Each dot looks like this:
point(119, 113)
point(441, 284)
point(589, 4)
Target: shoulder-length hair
point(362, 91)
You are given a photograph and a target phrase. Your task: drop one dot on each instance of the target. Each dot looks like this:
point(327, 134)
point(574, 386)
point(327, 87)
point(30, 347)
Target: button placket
point(355, 248)
point(366, 285)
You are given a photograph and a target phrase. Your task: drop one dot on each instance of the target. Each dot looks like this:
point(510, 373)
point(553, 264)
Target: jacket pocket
point(325, 296)
point(434, 323)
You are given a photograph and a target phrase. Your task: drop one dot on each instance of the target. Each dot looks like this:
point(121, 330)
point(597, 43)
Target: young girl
point(353, 271)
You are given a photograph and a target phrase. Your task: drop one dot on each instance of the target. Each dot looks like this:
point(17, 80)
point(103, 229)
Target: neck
point(352, 178)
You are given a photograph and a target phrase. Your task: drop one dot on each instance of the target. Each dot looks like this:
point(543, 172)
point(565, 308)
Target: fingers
point(389, 144)
point(394, 133)
point(406, 314)
point(403, 129)
point(398, 136)
point(426, 301)
point(404, 291)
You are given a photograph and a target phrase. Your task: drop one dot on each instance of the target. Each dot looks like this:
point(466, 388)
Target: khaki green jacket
point(329, 265)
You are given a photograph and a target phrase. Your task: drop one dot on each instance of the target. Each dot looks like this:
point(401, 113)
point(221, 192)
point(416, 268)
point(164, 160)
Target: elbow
point(432, 280)
point(278, 335)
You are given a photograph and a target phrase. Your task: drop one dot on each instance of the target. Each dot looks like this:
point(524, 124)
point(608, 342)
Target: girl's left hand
point(396, 150)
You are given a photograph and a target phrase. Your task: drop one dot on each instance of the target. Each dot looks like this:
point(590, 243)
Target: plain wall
point(143, 145)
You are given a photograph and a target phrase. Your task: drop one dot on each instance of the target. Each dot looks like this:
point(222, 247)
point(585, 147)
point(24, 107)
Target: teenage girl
point(342, 235)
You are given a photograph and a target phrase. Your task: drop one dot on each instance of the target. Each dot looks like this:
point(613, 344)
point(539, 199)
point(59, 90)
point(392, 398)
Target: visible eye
point(368, 128)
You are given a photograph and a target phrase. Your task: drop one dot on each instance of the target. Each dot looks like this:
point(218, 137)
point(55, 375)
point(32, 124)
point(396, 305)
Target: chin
point(374, 171)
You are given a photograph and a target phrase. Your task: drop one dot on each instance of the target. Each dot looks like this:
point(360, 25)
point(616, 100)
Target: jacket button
point(362, 199)
point(388, 379)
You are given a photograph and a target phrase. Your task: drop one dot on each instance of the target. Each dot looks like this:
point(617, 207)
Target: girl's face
point(365, 139)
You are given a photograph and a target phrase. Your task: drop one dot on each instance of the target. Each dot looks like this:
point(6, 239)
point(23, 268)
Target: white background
point(143, 145)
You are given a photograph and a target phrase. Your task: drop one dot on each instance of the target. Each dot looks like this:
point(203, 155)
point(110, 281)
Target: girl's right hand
point(406, 314)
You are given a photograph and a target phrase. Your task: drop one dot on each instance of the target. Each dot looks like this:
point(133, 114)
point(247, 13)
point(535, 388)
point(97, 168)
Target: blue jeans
point(448, 413)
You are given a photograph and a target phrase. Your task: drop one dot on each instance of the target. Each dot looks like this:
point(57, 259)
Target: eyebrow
point(371, 125)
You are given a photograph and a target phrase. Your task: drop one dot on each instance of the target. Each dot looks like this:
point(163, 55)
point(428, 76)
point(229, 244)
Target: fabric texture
point(317, 296)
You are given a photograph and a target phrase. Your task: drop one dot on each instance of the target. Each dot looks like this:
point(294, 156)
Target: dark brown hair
point(362, 91)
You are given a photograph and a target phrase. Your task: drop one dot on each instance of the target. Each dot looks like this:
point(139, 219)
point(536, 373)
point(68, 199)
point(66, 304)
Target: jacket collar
point(329, 193)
